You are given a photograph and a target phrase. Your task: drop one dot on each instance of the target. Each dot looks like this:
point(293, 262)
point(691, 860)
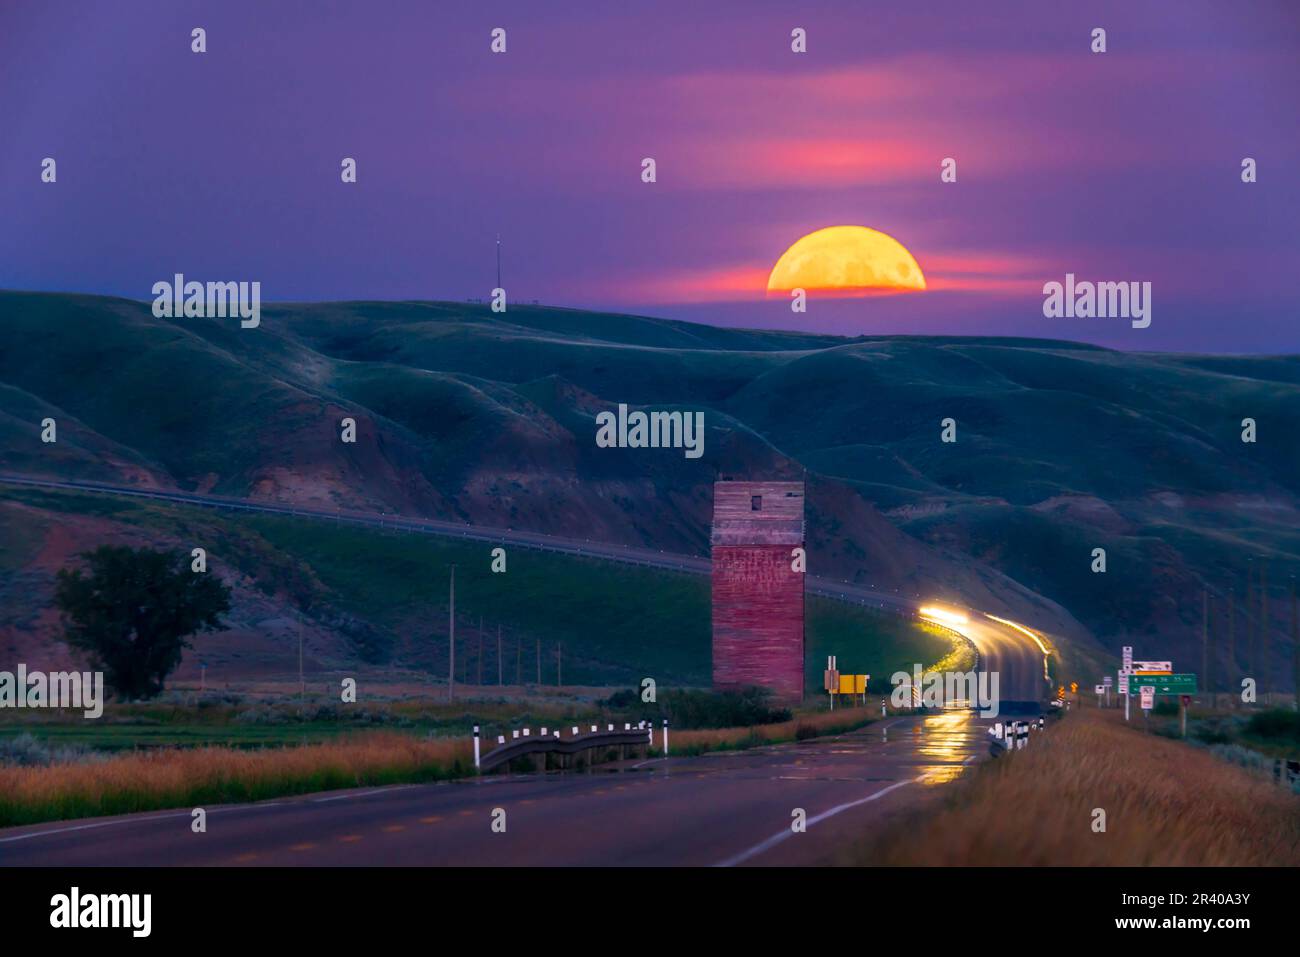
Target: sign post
point(1124, 670)
point(1148, 702)
point(831, 679)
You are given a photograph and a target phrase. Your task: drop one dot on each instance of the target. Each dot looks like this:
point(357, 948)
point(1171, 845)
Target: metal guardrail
point(525, 744)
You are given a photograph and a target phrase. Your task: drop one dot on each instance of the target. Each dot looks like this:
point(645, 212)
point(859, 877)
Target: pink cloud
point(987, 272)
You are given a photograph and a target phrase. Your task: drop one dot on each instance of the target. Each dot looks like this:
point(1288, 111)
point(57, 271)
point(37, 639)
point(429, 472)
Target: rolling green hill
point(369, 597)
point(462, 413)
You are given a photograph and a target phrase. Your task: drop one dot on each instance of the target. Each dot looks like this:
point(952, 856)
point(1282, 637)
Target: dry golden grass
point(175, 778)
point(191, 778)
point(1166, 804)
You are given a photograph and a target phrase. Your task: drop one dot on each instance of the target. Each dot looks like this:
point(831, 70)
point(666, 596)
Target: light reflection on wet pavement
point(936, 748)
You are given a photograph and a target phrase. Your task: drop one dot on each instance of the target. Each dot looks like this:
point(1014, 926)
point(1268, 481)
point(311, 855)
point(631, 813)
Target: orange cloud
point(985, 272)
point(723, 284)
point(752, 161)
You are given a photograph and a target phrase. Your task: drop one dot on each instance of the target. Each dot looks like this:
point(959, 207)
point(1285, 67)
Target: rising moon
point(846, 261)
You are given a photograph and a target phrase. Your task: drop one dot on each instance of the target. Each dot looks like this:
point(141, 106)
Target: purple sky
point(1120, 166)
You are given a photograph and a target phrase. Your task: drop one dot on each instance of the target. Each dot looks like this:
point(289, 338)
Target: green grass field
point(618, 624)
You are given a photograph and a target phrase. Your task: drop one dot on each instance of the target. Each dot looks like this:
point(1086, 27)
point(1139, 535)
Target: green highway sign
point(1164, 684)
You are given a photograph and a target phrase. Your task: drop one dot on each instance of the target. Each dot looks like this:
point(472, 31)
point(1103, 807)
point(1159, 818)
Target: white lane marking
point(780, 836)
point(87, 827)
point(361, 794)
point(133, 819)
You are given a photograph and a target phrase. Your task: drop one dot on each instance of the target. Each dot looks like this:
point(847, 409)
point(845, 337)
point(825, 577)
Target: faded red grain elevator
point(758, 598)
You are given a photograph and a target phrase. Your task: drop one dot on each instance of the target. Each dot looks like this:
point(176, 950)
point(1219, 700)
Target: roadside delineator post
point(476, 761)
point(665, 737)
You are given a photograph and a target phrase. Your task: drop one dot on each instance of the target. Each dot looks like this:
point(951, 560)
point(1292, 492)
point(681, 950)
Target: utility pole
point(559, 664)
point(1261, 650)
point(1248, 606)
point(1205, 641)
point(539, 662)
point(519, 663)
point(451, 641)
point(1295, 644)
point(302, 681)
point(500, 670)
point(480, 649)
point(1232, 651)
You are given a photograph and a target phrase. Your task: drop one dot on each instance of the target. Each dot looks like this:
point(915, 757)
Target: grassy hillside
point(382, 597)
point(467, 414)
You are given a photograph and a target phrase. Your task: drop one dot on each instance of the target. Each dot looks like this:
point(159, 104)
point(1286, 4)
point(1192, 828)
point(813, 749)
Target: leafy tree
point(135, 612)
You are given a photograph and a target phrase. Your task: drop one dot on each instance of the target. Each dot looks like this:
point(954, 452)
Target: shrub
point(1278, 726)
point(1243, 757)
point(27, 751)
point(1211, 734)
point(701, 709)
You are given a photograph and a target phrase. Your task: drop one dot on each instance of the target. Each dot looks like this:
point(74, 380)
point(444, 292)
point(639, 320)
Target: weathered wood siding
point(758, 601)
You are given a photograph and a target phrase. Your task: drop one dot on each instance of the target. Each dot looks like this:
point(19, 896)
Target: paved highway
point(726, 808)
point(721, 809)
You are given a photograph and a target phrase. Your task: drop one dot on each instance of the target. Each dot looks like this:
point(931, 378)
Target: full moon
point(846, 261)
